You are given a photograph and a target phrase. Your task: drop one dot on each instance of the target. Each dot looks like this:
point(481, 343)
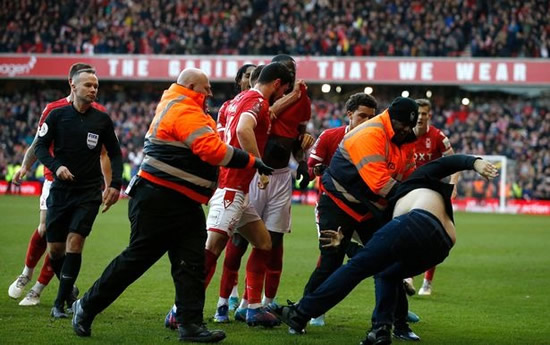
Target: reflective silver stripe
point(197, 133)
point(409, 165)
point(399, 177)
point(199, 181)
point(168, 106)
point(344, 192)
point(387, 187)
point(369, 159)
point(344, 152)
point(317, 158)
point(368, 124)
point(158, 141)
point(228, 155)
point(379, 205)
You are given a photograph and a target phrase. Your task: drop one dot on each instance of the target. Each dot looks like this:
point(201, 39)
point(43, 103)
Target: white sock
point(267, 300)
point(27, 271)
point(244, 304)
point(254, 305)
point(174, 308)
point(235, 291)
point(222, 301)
point(38, 287)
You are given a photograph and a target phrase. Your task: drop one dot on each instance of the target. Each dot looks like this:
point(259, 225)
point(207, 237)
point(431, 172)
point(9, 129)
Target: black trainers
point(82, 323)
point(291, 316)
point(58, 313)
point(199, 334)
point(405, 333)
point(72, 298)
point(380, 335)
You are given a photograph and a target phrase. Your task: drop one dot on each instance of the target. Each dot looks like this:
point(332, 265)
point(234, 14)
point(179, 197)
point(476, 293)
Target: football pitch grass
point(494, 288)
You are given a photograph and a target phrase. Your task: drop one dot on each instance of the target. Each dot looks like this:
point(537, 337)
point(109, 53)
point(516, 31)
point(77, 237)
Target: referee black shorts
point(71, 210)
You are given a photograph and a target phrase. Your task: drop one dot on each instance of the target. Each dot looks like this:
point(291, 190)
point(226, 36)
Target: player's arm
point(28, 161)
point(105, 166)
point(316, 161)
point(112, 192)
point(287, 100)
point(245, 133)
point(447, 150)
point(46, 133)
point(204, 142)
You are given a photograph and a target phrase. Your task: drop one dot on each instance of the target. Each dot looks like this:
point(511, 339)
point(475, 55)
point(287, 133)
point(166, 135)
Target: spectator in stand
point(359, 28)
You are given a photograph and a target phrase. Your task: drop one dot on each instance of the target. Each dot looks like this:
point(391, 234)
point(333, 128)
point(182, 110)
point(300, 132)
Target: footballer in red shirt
point(431, 144)
point(247, 126)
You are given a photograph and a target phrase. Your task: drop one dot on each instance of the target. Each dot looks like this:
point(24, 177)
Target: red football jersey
point(250, 103)
point(432, 145)
point(325, 146)
point(222, 117)
point(286, 124)
point(48, 175)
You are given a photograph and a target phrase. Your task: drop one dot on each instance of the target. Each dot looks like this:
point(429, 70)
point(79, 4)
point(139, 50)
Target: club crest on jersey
point(43, 129)
point(428, 143)
point(92, 140)
point(228, 198)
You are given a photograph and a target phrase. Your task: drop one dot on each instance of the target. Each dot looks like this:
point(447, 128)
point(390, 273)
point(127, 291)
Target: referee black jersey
point(77, 141)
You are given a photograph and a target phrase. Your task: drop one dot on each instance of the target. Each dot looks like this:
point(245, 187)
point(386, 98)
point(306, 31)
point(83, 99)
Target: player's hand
point(272, 115)
point(331, 238)
point(110, 197)
point(263, 181)
point(20, 175)
point(64, 174)
point(485, 169)
point(319, 169)
point(262, 168)
point(307, 141)
point(302, 174)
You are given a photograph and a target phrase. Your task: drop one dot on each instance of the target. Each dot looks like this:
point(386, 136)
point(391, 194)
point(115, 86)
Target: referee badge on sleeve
point(92, 140)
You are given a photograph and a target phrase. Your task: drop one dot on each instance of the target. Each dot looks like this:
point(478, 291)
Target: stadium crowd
point(314, 27)
point(511, 126)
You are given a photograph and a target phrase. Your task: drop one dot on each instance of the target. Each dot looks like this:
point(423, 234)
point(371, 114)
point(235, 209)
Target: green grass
point(493, 289)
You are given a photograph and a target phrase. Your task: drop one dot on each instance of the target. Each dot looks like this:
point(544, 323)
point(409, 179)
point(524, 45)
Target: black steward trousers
point(162, 220)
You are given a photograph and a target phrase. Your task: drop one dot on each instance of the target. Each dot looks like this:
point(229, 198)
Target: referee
point(76, 134)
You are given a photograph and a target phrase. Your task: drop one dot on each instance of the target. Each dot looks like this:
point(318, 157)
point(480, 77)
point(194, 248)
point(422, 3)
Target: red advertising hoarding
point(358, 70)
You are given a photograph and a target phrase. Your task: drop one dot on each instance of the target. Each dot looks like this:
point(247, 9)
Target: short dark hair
point(282, 58)
point(274, 71)
point(423, 102)
point(80, 67)
point(359, 99)
point(240, 74)
point(256, 74)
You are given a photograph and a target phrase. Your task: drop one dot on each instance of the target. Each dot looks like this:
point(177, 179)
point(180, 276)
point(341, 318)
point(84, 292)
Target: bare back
point(427, 200)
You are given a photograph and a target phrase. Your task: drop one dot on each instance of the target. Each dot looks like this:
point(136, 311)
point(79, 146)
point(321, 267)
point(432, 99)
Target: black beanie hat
point(404, 110)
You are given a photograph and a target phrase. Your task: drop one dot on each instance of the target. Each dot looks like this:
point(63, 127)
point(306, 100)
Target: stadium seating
point(505, 28)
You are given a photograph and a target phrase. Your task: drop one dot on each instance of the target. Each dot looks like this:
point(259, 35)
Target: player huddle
point(365, 170)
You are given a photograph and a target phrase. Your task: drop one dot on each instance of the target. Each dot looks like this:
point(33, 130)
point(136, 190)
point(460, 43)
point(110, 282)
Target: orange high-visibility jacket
point(182, 149)
point(366, 166)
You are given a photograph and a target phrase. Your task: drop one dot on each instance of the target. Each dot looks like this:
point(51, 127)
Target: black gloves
point(319, 169)
point(303, 174)
point(262, 168)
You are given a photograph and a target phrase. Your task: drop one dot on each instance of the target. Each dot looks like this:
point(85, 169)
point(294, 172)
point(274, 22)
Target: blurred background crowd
point(516, 127)
point(504, 28)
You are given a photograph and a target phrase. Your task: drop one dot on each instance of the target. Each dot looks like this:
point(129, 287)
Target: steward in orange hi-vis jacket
point(363, 173)
point(178, 173)
point(368, 164)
